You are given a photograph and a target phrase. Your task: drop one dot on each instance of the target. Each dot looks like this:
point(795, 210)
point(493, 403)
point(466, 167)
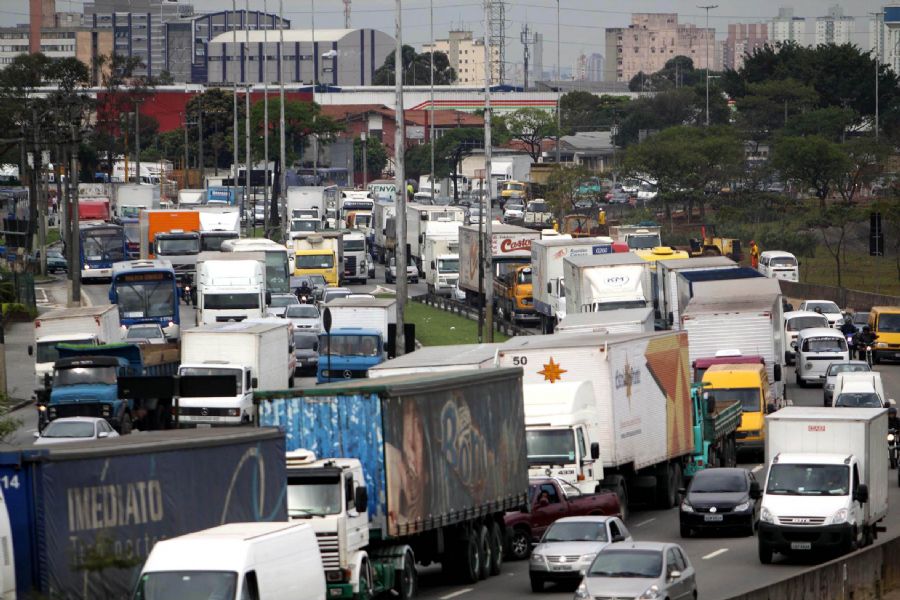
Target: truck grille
point(77, 410)
point(349, 265)
point(329, 549)
point(198, 411)
point(801, 520)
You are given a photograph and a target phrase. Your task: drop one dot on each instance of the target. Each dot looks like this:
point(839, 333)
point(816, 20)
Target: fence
point(18, 287)
point(470, 312)
point(855, 299)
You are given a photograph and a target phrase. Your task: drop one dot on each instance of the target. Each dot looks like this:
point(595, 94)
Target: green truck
point(714, 424)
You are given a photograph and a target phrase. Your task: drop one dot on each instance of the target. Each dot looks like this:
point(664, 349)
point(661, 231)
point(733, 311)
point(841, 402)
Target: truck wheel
point(496, 541)
point(365, 581)
point(765, 554)
point(666, 486)
point(407, 578)
point(469, 558)
point(519, 543)
point(125, 426)
point(484, 549)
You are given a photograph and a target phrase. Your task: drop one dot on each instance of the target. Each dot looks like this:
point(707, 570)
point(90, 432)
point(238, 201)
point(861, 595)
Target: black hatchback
point(720, 499)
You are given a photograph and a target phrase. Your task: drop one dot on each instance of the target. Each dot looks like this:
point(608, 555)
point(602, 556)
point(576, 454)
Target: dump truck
point(715, 423)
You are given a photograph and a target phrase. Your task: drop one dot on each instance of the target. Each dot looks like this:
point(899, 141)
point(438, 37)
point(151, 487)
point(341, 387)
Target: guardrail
point(470, 312)
point(843, 297)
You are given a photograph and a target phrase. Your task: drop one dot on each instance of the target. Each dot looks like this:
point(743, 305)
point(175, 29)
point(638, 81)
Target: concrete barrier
point(866, 574)
point(855, 299)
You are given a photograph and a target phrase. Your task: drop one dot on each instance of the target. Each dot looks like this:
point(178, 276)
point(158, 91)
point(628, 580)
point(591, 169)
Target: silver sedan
point(639, 570)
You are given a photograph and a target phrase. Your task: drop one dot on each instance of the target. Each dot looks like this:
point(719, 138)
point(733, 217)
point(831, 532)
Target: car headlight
point(686, 507)
point(588, 558)
point(742, 507)
point(766, 516)
point(537, 558)
point(881, 345)
point(807, 366)
point(890, 437)
point(581, 593)
point(829, 387)
point(650, 593)
point(839, 517)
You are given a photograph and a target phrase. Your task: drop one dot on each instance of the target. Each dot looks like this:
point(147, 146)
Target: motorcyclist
point(849, 330)
point(864, 338)
point(304, 292)
point(893, 420)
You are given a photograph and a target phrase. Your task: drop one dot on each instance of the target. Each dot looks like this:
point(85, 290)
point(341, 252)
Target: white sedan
point(74, 429)
point(304, 316)
point(279, 304)
point(828, 308)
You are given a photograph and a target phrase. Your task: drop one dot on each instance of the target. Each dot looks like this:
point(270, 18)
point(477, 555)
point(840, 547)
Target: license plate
point(560, 568)
point(801, 545)
point(714, 518)
point(203, 425)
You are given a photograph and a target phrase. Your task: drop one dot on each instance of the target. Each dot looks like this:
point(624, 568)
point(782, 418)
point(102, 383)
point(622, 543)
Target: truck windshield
point(555, 446)
point(230, 301)
point(643, 242)
point(304, 213)
point(859, 400)
point(212, 242)
point(350, 345)
point(314, 261)
point(448, 265)
point(524, 277)
point(748, 397)
point(305, 225)
point(889, 323)
point(354, 245)
point(313, 496)
point(47, 352)
point(169, 246)
point(188, 585)
point(825, 344)
point(84, 375)
point(808, 480)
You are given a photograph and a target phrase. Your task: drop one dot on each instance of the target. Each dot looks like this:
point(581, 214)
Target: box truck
point(606, 282)
point(320, 253)
point(356, 257)
point(254, 355)
point(132, 198)
point(642, 406)
point(439, 359)
point(624, 320)
point(381, 212)
point(412, 462)
point(422, 219)
point(230, 286)
point(826, 488)
point(510, 248)
point(440, 262)
point(218, 224)
point(154, 222)
point(667, 307)
point(708, 282)
point(114, 498)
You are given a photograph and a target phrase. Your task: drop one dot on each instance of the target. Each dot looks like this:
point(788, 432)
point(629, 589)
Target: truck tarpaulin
point(430, 444)
point(112, 500)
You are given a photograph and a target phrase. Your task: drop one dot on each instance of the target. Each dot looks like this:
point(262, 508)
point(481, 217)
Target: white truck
point(248, 356)
point(218, 224)
point(636, 236)
point(379, 314)
point(826, 488)
point(641, 405)
point(439, 359)
point(440, 263)
point(510, 247)
point(132, 198)
point(230, 286)
point(91, 325)
point(742, 315)
point(381, 212)
point(422, 219)
point(706, 283)
point(356, 257)
point(606, 282)
point(625, 320)
point(188, 198)
point(547, 256)
point(301, 198)
point(668, 308)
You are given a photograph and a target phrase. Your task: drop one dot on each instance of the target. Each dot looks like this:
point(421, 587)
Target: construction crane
point(346, 14)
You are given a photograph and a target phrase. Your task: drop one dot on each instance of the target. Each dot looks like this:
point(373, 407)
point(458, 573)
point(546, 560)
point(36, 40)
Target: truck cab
point(714, 423)
point(356, 256)
point(885, 323)
point(747, 384)
point(348, 352)
point(442, 273)
point(513, 292)
point(225, 400)
point(87, 386)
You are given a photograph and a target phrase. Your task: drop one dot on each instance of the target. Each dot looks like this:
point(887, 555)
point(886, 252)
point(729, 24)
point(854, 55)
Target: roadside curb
point(20, 405)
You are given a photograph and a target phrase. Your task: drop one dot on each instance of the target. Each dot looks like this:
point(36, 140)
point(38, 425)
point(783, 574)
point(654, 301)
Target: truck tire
point(365, 581)
point(618, 485)
point(484, 549)
point(469, 558)
point(496, 540)
point(519, 543)
point(765, 553)
point(407, 578)
point(668, 481)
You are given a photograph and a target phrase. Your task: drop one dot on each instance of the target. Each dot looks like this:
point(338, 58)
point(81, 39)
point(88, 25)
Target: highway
point(725, 565)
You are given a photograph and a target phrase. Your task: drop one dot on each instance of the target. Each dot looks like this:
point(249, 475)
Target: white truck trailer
point(547, 256)
point(258, 355)
point(132, 198)
point(381, 212)
point(625, 320)
point(641, 403)
point(230, 286)
point(668, 309)
point(606, 282)
point(421, 219)
point(510, 245)
point(307, 198)
point(440, 262)
point(827, 483)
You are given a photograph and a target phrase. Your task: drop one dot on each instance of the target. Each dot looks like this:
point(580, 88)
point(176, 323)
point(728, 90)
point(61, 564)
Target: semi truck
point(667, 307)
point(641, 407)
point(304, 198)
point(826, 488)
point(132, 198)
point(320, 253)
point(637, 236)
point(250, 355)
point(85, 325)
point(411, 462)
point(230, 286)
point(715, 423)
point(510, 248)
point(606, 282)
point(512, 294)
point(704, 283)
point(381, 212)
point(356, 257)
point(67, 506)
point(218, 224)
point(548, 289)
point(422, 219)
point(440, 263)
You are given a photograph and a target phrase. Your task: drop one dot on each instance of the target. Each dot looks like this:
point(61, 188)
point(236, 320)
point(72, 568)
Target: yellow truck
point(513, 293)
point(513, 189)
point(885, 323)
point(749, 384)
point(320, 253)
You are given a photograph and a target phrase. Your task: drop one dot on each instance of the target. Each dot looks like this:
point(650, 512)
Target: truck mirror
point(30, 350)
point(777, 372)
point(37, 435)
point(755, 491)
point(618, 538)
point(595, 450)
point(862, 493)
point(794, 344)
point(361, 499)
point(710, 404)
point(254, 383)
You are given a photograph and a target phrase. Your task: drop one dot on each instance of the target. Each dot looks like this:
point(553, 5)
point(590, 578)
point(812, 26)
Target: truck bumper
point(786, 539)
point(340, 590)
point(749, 441)
point(208, 421)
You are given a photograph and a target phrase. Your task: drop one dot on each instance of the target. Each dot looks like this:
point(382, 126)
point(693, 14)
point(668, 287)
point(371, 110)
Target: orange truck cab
point(153, 222)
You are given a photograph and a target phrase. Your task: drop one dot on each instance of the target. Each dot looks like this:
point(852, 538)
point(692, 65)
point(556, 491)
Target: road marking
point(757, 468)
point(647, 522)
point(716, 553)
point(455, 594)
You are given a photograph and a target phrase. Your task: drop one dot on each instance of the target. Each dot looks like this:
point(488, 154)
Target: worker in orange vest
point(754, 254)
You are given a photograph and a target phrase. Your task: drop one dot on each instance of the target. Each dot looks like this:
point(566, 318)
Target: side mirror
point(37, 434)
point(794, 344)
point(30, 350)
point(777, 372)
point(595, 450)
point(770, 408)
point(361, 499)
point(618, 538)
point(682, 492)
point(755, 490)
point(254, 383)
point(102, 434)
point(862, 493)
point(673, 575)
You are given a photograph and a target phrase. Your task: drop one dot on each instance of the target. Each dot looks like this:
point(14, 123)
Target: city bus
point(146, 291)
point(278, 261)
point(101, 246)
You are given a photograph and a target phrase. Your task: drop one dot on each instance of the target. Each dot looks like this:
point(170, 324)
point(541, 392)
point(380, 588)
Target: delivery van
point(748, 384)
point(885, 323)
point(815, 349)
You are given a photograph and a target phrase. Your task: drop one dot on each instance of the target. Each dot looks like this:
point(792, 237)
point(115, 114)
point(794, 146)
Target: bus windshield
point(277, 276)
point(103, 244)
point(137, 299)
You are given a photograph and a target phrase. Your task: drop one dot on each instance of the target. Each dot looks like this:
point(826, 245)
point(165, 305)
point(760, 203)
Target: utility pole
point(75, 238)
point(265, 82)
point(431, 107)
point(558, 86)
point(247, 169)
point(877, 52)
point(487, 212)
point(200, 156)
point(316, 87)
point(400, 180)
point(137, 140)
point(365, 164)
point(234, 124)
point(526, 40)
point(281, 133)
point(707, 8)
point(186, 165)
point(38, 189)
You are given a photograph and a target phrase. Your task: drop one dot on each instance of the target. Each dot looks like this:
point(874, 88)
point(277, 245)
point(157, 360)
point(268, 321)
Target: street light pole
point(400, 181)
point(707, 8)
point(431, 109)
point(558, 85)
point(234, 125)
point(281, 133)
point(487, 213)
point(265, 82)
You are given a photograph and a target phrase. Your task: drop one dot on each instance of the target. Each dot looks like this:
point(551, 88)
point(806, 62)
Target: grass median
point(435, 327)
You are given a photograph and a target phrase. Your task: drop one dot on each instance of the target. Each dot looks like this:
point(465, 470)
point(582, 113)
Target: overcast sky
point(582, 22)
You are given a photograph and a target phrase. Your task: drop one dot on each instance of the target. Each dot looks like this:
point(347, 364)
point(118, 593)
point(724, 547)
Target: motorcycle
point(868, 354)
point(893, 439)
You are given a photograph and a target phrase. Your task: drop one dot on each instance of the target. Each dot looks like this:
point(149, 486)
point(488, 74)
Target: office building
point(466, 56)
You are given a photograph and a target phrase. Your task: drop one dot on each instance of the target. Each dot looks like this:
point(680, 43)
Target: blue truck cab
point(348, 353)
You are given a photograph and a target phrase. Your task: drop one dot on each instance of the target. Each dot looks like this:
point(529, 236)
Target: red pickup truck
point(552, 499)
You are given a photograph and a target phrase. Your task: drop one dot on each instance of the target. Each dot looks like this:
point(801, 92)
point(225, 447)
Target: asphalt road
point(725, 566)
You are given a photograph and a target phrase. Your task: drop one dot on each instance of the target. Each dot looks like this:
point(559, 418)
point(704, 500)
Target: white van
point(778, 264)
point(815, 349)
point(860, 390)
point(268, 561)
point(794, 322)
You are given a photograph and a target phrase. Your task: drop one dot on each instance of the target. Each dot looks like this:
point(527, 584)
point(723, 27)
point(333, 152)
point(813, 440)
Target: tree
point(813, 161)
point(416, 69)
point(832, 222)
point(584, 111)
point(217, 108)
point(376, 156)
point(832, 123)
point(677, 72)
point(451, 148)
point(866, 161)
point(684, 106)
point(768, 105)
point(530, 126)
point(562, 187)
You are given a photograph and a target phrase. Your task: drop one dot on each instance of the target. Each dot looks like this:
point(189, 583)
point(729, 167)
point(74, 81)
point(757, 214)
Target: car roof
point(819, 302)
point(793, 314)
point(721, 471)
point(821, 332)
point(587, 519)
point(658, 546)
point(78, 419)
point(848, 362)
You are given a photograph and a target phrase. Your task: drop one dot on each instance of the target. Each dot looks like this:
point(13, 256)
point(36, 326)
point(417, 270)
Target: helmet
point(866, 328)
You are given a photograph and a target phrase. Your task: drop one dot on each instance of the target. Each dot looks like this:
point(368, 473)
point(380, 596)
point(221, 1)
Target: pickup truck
point(715, 423)
point(552, 499)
